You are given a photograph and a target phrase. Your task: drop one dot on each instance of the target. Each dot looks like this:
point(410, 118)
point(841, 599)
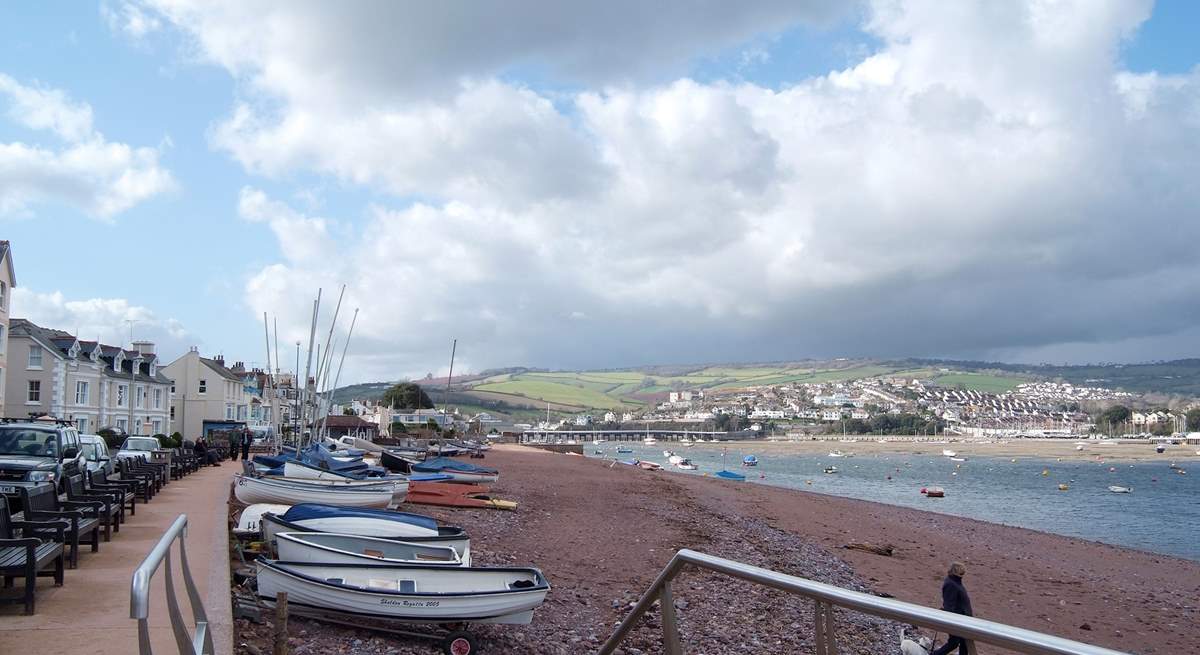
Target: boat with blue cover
point(749, 460)
point(459, 471)
point(729, 475)
point(385, 524)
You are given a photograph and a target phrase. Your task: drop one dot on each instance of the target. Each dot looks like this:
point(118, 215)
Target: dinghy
point(251, 491)
point(249, 521)
point(686, 464)
point(399, 484)
point(749, 460)
point(329, 548)
point(421, 594)
point(385, 524)
point(1117, 489)
point(730, 475)
point(459, 471)
point(455, 495)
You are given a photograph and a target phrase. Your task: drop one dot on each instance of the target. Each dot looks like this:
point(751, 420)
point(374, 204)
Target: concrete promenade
point(90, 612)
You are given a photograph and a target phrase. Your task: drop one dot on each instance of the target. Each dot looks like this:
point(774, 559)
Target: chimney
point(220, 360)
point(144, 347)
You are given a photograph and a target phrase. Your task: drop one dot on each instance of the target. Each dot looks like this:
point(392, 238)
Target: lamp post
point(132, 377)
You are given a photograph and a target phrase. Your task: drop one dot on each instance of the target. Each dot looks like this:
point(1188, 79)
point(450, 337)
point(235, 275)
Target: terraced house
point(92, 384)
point(207, 396)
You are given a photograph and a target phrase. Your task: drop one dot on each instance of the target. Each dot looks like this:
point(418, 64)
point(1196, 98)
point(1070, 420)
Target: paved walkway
point(90, 612)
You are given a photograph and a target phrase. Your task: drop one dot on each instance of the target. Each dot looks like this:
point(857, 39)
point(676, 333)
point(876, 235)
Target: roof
point(59, 343)
point(6, 256)
point(220, 369)
point(335, 421)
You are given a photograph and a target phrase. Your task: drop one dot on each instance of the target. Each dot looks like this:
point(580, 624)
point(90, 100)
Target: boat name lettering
point(410, 603)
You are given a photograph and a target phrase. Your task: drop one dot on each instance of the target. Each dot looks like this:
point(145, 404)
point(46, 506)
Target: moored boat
point(649, 466)
point(250, 491)
point(730, 475)
point(624, 450)
point(1118, 489)
point(949, 453)
point(934, 492)
point(329, 547)
point(249, 521)
point(831, 470)
point(749, 460)
point(425, 594)
point(685, 464)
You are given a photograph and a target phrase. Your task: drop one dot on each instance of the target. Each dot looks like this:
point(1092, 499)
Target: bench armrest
point(85, 506)
point(34, 527)
point(28, 542)
point(48, 514)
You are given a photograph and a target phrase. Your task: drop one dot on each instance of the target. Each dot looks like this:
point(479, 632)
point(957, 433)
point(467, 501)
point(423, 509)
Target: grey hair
point(957, 568)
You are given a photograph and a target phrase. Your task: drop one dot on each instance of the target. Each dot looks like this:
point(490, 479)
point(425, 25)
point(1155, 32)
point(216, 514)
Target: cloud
point(85, 170)
point(988, 180)
point(103, 319)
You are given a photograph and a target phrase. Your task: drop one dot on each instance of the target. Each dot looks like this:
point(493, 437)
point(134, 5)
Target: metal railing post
point(139, 595)
point(666, 604)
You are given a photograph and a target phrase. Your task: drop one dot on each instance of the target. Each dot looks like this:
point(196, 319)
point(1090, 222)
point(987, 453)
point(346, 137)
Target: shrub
point(111, 438)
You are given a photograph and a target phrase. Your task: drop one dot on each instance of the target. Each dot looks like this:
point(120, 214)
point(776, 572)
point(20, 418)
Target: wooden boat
point(934, 492)
point(329, 547)
point(422, 594)
point(455, 495)
point(384, 524)
point(251, 491)
point(649, 466)
point(1117, 489)
point(459, 471)
point(729, 475)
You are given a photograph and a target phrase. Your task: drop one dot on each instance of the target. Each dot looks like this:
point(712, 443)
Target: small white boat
point(958, 459)
point(831, 469)
point(674, 459)
point(649, 441)
point(949, 453)
point(836, 453)
point(667, 454)
point(303, 473)
point(1117, 489)
point(422, 594)
point(382, 524)
point(250, 520)
point(328, 548)
point(251, 491)
point(650, 466)
point(685, 464)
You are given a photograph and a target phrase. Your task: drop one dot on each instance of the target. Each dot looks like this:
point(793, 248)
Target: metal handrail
point(139, 595)
point(825, 597)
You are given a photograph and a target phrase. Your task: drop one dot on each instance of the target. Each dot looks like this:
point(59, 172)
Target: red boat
point(454, 495)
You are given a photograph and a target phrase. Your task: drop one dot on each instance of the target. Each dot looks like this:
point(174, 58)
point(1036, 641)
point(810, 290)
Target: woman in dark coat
point(955, 599)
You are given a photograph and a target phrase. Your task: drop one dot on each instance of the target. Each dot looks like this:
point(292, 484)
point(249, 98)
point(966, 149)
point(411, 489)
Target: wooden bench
point(110, 512)
point(145, 481)
point(42, 503)
point(29, 556)
point(141, 468)
point(125, 491)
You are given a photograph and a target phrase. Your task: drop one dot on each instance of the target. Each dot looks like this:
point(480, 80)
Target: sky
point(573, 185)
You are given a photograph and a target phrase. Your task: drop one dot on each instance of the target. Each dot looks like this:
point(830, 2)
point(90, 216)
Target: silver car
point(95, 451)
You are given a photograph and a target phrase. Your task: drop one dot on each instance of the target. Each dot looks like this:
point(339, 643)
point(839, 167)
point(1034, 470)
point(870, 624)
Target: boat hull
point(251, 491)
point(326, 547)
point(395, 592)
point(450, 537)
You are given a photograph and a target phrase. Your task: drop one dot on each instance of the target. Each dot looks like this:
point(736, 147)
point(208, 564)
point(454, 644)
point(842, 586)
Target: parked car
point(95, 452)
point(139, 447)
point(39, 451)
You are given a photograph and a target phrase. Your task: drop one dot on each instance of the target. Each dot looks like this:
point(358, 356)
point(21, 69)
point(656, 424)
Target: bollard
point(281, 617)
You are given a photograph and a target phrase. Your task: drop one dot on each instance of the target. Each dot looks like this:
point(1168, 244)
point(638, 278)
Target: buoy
point(1045, 472)
point(808, 482)
point(1112, 469)
point(954, 473)
point(889, 477)
point(1062, 487)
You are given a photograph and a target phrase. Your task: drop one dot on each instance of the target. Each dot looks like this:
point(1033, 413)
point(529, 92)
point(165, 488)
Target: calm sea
point(1162, 514)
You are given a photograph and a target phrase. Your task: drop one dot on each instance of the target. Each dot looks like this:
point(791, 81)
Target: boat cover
point(305, 511)
point(435, 464)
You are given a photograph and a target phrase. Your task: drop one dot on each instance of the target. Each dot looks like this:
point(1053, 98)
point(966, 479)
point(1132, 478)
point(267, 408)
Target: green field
point(978, 381)
point(555, 392)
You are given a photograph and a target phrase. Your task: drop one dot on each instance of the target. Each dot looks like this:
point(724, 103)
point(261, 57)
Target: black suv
point(34, 451)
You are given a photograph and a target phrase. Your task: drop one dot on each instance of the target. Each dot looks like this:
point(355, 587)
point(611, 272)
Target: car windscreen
point(144, 443)
point(92, 451)
point(27, 441)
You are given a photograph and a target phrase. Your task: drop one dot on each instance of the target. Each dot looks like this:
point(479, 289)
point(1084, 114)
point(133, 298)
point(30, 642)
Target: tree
point(722, 423)
point(1193, 419)
point(346, 411)
point(406, 396)
point(1114, 415)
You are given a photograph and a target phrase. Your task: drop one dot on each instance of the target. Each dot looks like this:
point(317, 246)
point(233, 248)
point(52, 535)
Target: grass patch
point(978, 382)
point(554, 392)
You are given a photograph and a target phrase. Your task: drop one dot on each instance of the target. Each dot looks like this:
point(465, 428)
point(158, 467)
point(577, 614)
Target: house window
point(153, 370)
point(117, 362)
point(172, 412)
point(123, 425)
point(81, 393)
point(3, 295)
point(139, 398)
point(35, 356)
point(81, 422)
point(229, 412)
point(203, 386)
point(158, 399)
point(156, 425)
point(35, 391)
point(3, 341)
point(122, 392)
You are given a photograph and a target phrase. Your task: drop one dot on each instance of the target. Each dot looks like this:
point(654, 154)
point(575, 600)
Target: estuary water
point(1162, 514)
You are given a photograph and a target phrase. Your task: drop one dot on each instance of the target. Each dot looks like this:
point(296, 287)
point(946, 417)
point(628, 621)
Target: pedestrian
point(234, 442)
point(246, 439)
point(955, 599)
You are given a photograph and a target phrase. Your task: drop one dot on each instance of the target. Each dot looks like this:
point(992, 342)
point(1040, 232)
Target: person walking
point(955, 599)
point(235, 439)
point(246, 439)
